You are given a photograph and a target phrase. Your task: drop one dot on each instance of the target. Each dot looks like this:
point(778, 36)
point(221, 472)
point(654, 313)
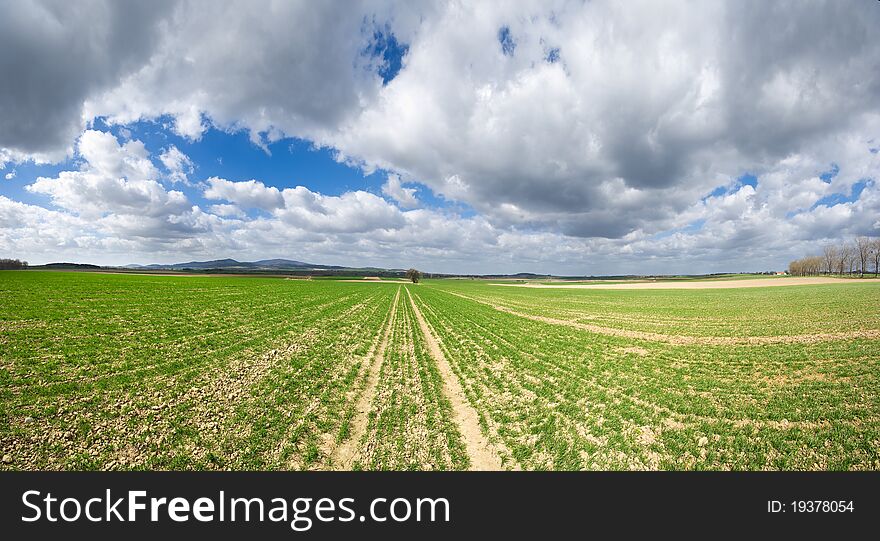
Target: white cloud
point(658, 112)
point(113, 179)
point(228, 211)
point(114, 197)
point(178, 164)
point(351, 212)
point(188, 123)
point(393, 188)
point(38, 233)
point(739, 232)
point(105, 156)
point(10, 175)
point(248, 194)
point(94, 195)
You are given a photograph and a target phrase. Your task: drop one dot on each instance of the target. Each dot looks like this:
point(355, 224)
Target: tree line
point(860, 256)
point(12, 264)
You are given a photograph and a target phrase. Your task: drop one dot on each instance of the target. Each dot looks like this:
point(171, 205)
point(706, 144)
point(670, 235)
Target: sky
point(574, 138)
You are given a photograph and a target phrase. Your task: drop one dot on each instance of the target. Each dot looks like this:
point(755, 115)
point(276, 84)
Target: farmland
point(102, 371)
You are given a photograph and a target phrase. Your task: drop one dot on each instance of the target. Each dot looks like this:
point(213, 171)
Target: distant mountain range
point(300, 268)
point(232, 264)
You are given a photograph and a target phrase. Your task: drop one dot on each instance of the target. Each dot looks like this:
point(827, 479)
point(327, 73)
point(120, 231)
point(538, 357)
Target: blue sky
point(582, 139)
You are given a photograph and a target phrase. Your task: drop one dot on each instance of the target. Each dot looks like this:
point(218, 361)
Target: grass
point(102, 371)
point(618, 280)
point(765, 311)
point(565, 399)
point(176, 372)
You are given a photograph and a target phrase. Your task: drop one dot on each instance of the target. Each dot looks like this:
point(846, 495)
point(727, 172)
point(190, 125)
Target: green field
point(103, 371)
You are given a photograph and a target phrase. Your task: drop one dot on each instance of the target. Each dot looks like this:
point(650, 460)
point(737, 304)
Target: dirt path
point(686, 340)
point(344, 456)
point(480, 452)
point(706, 284)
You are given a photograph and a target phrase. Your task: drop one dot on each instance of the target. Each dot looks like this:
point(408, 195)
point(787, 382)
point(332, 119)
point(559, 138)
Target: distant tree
point(807, 266)
point(12, 264)
point(844, 258)
point(863, 247)
point(853, 253)
point(814, 265)
point(414, 275)
point(830, 253)
point(847, 257)
point(875, 255)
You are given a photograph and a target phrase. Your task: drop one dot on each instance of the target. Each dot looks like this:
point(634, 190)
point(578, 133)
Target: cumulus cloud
point(115, 195)
point(178, 164)
point(405, 197)
point(93, 195)
point(351, 212)
point(655, 111)
point(251, 194)
point(229, 211)
point(104, 155)
point(10, 175)
point(114, 178)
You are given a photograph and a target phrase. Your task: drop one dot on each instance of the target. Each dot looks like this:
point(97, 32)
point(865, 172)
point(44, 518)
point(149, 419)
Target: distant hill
point(232, 264)
point(281, 263)
point(214, 264)
point(65, 266)
point(291, 267)
point(521, 275)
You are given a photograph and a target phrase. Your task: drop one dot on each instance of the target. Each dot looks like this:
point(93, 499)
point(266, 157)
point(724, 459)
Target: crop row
point(410, 421)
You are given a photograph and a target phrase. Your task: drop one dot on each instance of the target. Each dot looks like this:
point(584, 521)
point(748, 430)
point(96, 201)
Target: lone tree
point(414, 275)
